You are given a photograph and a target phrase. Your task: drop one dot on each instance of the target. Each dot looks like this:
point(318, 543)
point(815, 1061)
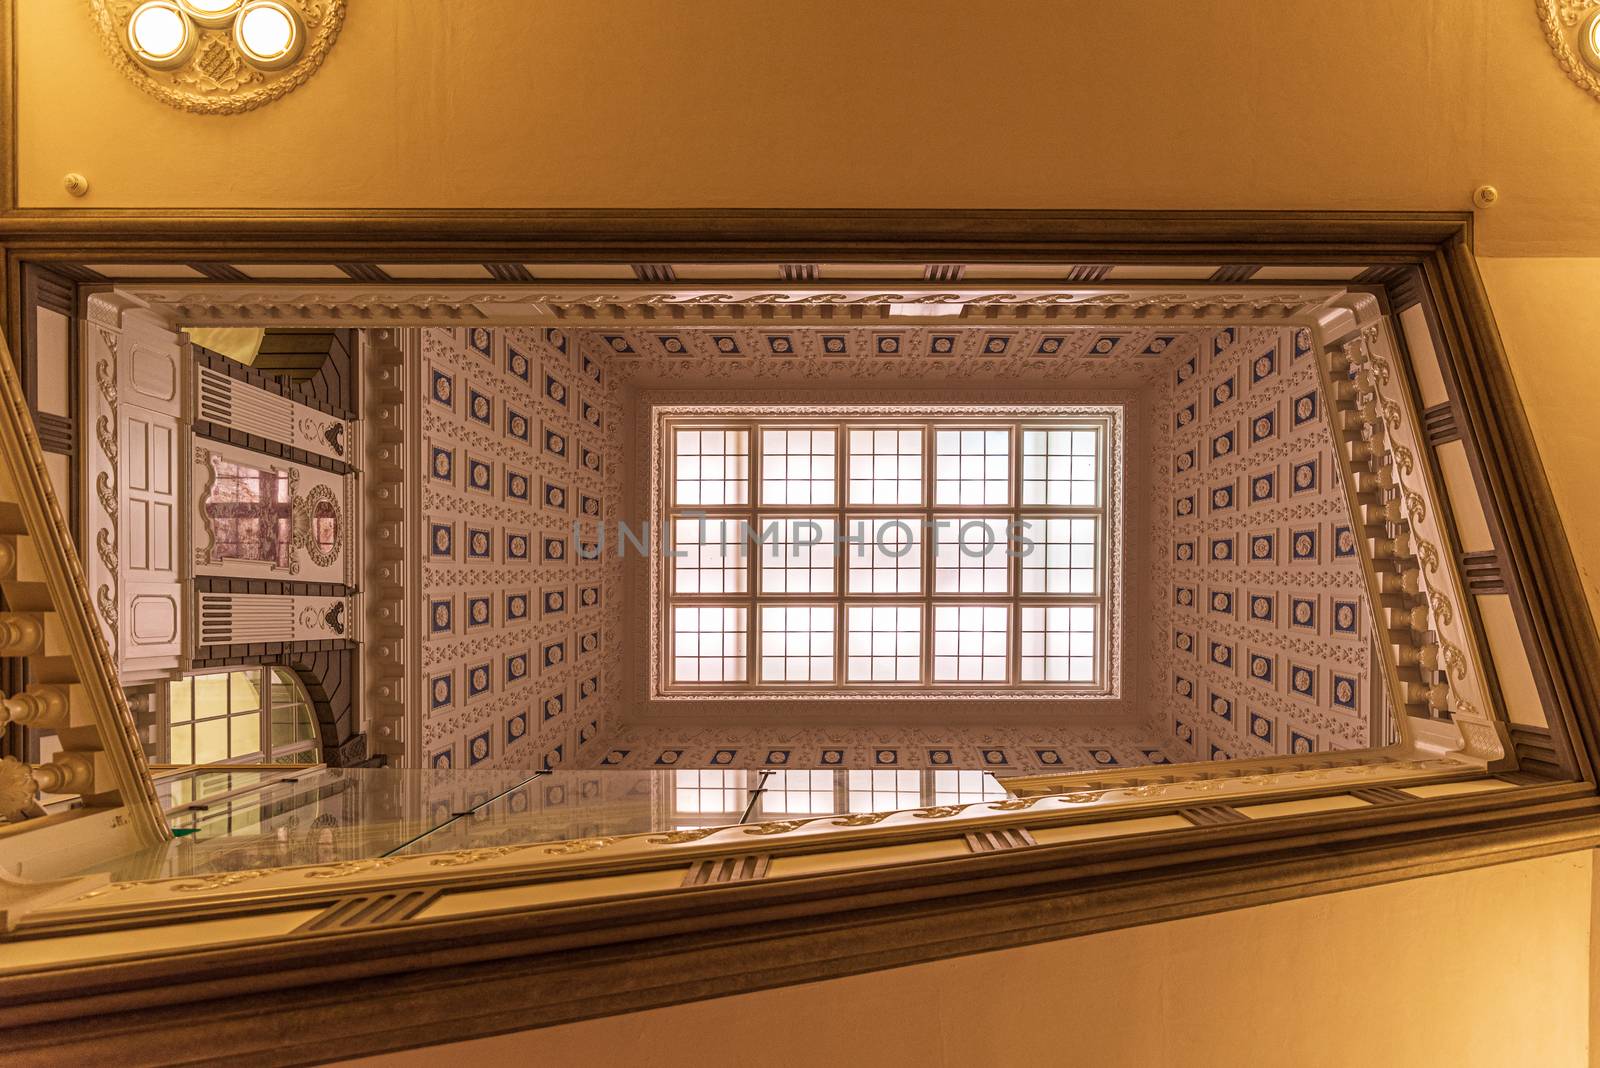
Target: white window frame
point(267, 752)
point(1106, 420)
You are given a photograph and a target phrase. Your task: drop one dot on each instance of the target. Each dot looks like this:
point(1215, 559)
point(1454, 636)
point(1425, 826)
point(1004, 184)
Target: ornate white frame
point(205, 554)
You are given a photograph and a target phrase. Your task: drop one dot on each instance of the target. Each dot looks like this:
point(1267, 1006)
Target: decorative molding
point(217, 80)
point(717, 870)
point(233, 403)
point(1213, 815)
point(1483, 573)
point(210, 304)
point(361, 911)
point(1382, 795)
point(365, 272)
point(353, 751)
point(57, 433)
point(325, 487)
point(104, 467)
point(305, 515)
point(998, 840)
point(1561, 21)
point(392, 651)
point(1430, 648)
point(205, 555)
point(1439, 424)
point(236, 619)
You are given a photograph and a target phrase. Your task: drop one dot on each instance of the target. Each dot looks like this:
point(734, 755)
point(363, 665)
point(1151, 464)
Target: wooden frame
point(344, 993)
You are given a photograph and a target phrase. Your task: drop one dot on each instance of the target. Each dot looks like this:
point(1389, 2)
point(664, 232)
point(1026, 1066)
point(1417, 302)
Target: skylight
point(922, 549)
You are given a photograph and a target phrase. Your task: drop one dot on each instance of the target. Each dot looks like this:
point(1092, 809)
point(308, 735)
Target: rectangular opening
point(883, 552)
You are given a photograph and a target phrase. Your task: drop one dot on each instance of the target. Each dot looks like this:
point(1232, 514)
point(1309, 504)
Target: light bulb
point(269, 34)
point(1589, 40)
point(213, 13)
point(160, 34)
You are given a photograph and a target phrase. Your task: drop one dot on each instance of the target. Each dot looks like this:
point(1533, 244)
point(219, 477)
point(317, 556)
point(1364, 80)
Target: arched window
point(245, 715)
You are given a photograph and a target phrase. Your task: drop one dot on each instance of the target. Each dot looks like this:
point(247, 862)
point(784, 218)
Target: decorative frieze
point(392, 304)
point(223, 619)
point(229, 402)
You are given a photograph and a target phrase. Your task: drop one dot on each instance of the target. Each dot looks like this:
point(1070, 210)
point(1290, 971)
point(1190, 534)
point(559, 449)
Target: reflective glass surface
point(240, 819)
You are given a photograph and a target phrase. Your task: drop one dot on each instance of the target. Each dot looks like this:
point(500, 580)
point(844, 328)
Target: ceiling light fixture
point(1589, 39)
point(218, 56)
point(268, 34)
point(1572, 30)
point(211, 13)
point(161, 35)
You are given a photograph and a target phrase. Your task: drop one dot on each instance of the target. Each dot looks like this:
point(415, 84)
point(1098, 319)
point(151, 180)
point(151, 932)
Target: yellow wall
point(1548, 312)
point(902, 103)
point(1482, 968)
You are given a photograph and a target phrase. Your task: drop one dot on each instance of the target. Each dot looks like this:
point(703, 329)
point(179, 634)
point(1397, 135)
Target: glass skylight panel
point(970, 642)
point(1058, 643)
point(953, 787)
point(709, 791)
point(883, 643)
point(708, 643)
point(797, 643)
point(712, 556)
point(1059, 467)
point(798, 554)
point(972, 467)
point(884, 790)
point(798, 466)
point(970, 555)
point(797, 793)
point(974, 549)
point(712, 467)
point(884, 555)
point(885, 466)
point(1062, 558)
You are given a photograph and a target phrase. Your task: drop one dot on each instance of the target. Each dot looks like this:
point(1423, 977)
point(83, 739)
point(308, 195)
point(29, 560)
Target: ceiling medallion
point(218, 57)
point(1572, 27)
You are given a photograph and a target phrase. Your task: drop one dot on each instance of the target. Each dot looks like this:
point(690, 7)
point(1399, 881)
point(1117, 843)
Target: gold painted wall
point(1478, 969)
point(899, 103)
point(1548, 312)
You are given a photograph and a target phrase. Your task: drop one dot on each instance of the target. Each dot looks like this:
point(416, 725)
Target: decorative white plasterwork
point(1563, 21)
point(1431, 650)
point(389, 671)
point(218, 80)
point(338, 304)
